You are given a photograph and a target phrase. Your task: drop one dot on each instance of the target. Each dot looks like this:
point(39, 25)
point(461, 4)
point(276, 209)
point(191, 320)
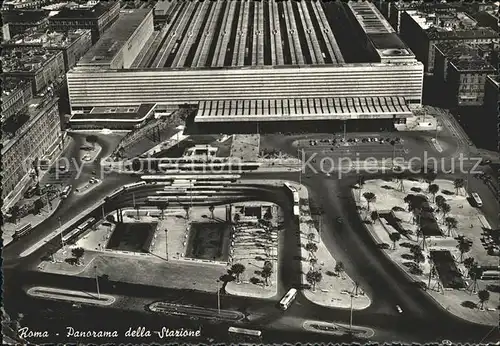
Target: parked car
point(398, 308)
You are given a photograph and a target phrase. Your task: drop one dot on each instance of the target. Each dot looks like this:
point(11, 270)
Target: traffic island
point(254, 250)
point(338, 329)
point(78, 297)
point(87, 187)
point(195, 311)
point(403, 219)
point(88, 153)
point(324, 282)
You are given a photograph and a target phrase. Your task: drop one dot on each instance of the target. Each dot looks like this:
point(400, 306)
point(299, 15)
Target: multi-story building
point(119, 46)
point(447, 51)
point(36, 138)
point(73, 44)
point(466, 78)
point(41, 66)
point(21, 20)
point(424, 30)
point(96, 17)
point(15, 94)
point(491, 109)
point(25, 4)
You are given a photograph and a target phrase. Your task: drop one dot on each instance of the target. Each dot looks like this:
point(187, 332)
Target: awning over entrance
point(342, 108)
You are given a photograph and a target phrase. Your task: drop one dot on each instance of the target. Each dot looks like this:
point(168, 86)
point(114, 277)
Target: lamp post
point(300, 170)
point(97, 283)
point(60, 233)
point(103, 215)
point(218, 297)
point(166, 243)
point(350, 318)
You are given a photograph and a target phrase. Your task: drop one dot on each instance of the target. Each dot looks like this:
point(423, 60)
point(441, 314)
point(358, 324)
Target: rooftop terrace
point(24, 16)
point(108, 46)
point(51, 39)
point(25, 59)
point(471, 64)
point(11, 84)
point(83, 12)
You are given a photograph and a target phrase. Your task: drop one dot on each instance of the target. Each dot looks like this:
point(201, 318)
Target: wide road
point(381, 279)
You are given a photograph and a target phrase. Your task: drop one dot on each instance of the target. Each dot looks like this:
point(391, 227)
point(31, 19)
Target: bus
point(477, 199)
point(288, 299)
point(86, 224)
point(66, 191)
point(490, 275)
point(242, 335)
point(140, 183)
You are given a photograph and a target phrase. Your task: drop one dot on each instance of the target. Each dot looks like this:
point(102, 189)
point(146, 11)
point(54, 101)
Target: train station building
point(261, 61)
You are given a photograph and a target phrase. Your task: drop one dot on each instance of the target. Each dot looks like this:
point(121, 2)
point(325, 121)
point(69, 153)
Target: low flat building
point(36, 138)
point(16, 93)
point(41, 66)
point(97, 17)
point(73, 43)
point(21, 20)
point(116, 118)
point(120, 45)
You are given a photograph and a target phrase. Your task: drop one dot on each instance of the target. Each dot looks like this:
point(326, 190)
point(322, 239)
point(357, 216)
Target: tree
point(445, 209)
point(237, 269)
point(440, 200)
point(395, 237)
point(91, 139)
point(266, 274)
point(484, 296)
point(429, 177)
point(433, 189)
point(451, 223)
point(418, 258)
point(311, 236)
point(458, 183)
point(14, 211)
point(314, 277)
point(311, 248)
point(237, 218)
point(313, 262)
point(469, 263)
point(37, 205)
point(464, 247)
point(339, 268)
point(268, 264)
point(78, 253)
point(211, 209)
point(162, 206)
point(374, 215)
point(370, 198)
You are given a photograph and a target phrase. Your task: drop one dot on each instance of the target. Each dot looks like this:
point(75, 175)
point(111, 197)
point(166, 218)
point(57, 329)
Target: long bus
point(243, 335)
point(86, 224)
point(288, 299)
point(477, 199)
point(140, 183)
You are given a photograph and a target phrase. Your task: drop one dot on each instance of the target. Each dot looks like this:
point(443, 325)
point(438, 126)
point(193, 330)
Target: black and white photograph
point(229, 172)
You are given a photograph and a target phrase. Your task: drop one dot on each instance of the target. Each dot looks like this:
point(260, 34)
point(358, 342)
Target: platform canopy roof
point(341, 108)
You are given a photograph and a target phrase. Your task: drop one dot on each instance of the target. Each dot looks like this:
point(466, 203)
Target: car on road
point(485, 161)
point(398, 308)
point(383, 246)
point(339, 220)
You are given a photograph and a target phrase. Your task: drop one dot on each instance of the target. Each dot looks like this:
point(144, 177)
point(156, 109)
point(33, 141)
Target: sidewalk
point(15, 195)
point(245, 147)
point(34, 220)
point(333, 291)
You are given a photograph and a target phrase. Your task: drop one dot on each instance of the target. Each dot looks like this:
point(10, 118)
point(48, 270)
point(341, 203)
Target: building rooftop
point(24, 16)
point(370, 19)
point(34, 109)
point(452, 50)
point(25, 59)
point(11, 84)
point(103, 52)
point(471, 64)
point(379, 31)
point(449, 25)
point(87, 11)
point(121, 112)
point(49, 39)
